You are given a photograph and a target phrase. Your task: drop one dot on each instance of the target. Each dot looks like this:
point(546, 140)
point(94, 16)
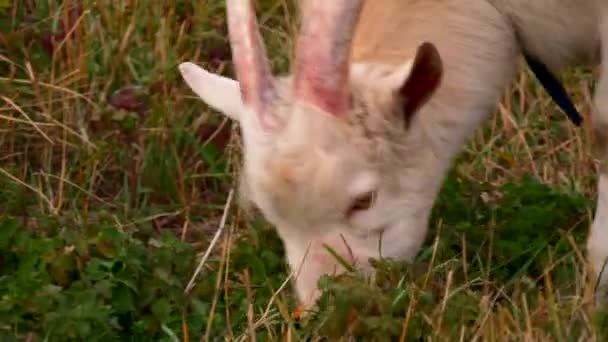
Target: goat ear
point(425, 75)
point(220, 93)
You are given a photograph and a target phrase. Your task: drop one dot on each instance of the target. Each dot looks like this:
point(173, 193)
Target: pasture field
point(114, 180)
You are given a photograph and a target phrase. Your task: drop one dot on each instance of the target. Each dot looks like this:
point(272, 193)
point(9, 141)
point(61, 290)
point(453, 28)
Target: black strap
point(554, 87)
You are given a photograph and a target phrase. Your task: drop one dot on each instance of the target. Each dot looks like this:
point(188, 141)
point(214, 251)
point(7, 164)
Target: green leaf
point(61, 269)
point(8, 228)
point(122, 299)
point(162, 309)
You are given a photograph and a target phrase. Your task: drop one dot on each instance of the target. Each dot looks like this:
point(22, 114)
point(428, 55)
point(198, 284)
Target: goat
point(350, 150)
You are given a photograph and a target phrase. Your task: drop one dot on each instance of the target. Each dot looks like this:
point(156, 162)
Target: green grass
point(114, 180)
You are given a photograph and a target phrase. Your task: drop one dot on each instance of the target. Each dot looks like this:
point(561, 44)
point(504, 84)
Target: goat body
point(350, 151)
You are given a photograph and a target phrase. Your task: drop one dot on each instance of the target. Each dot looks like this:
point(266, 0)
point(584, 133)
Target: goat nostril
point(372, 232)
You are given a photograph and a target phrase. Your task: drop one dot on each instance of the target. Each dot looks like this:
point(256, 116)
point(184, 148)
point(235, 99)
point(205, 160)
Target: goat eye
point(361, 203)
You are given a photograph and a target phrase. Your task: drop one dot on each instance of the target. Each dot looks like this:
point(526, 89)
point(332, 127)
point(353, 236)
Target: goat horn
point(323, 47)
point(249, 57)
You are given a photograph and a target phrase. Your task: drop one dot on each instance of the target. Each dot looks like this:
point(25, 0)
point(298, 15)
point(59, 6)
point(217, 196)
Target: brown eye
point(361, 203)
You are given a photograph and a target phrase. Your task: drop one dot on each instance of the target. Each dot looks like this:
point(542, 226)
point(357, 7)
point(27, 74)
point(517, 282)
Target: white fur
point(389, 76)
point(220, 93)
point(597, 243)
point(598, 239)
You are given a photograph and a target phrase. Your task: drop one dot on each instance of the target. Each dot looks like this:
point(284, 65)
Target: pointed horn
point(323, 49)
point(249, 57)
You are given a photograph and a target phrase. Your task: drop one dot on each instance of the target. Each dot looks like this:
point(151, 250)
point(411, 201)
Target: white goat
point(351, 151)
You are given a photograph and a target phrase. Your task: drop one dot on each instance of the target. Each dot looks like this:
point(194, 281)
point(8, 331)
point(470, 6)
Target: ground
point(115, 178)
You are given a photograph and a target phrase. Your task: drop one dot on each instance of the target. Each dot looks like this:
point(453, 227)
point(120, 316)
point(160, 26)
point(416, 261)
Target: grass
point(114, 180)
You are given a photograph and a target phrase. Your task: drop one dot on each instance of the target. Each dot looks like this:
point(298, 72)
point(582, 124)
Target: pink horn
point(323, 49)
point(249, 57)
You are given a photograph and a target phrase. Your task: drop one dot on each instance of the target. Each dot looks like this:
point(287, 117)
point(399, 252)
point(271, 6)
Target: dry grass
point(96, 121)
